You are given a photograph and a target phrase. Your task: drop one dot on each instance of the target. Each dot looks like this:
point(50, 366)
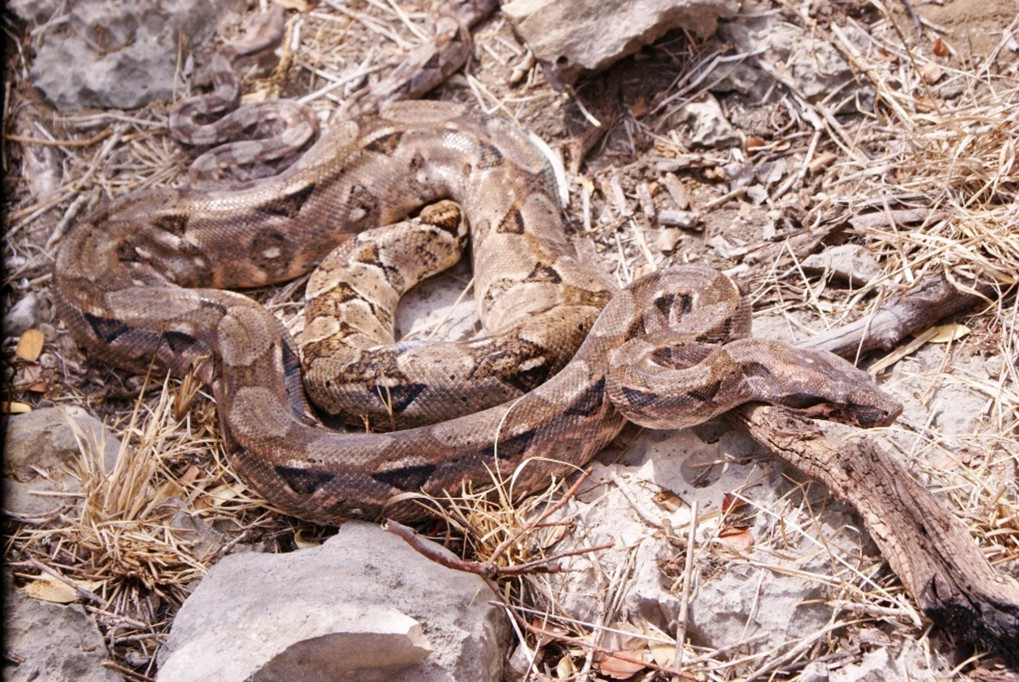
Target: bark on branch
point(929, 549)
point(933, 298)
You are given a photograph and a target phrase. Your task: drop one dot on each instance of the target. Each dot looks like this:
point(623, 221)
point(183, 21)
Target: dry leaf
point(30, 345)
point(947, 333)
point(15, 407)
point(302, 543)
point(227, 492)
point(553, 535)
point(926, 105)
point(752, 144)
point(821, 161)
point(731, 503)
point(617, 668)
point(618, 640)
point(668, 500)
point(640, 107)
point(565, 669)
point(189, 476)
point(298, 5)
point(940, 48)
point(48, 588)
point(931, 73)
point(663, 653)
point(736, 537)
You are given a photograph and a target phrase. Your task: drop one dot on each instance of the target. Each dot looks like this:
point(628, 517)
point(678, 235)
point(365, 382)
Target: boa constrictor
point(142, 280)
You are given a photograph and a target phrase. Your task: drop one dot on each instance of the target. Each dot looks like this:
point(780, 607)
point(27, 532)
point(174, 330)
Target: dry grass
point(151, 527)
point(144, 532)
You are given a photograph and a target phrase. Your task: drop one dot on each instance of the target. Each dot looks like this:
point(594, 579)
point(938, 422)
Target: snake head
point(822, 385)
point(812, 383)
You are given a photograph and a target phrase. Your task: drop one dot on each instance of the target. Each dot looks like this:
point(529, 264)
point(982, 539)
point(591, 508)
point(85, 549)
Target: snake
point(565, 361)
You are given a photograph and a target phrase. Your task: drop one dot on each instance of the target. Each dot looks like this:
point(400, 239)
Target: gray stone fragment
point(364, 598)
point(849, 263)
point(40, 451)
point(22, 315)
point(704, 124)
point(570, 37)
point(812, 66)
point(746, 600)
point(38, 11)
point(51, 642)
point(117, 55)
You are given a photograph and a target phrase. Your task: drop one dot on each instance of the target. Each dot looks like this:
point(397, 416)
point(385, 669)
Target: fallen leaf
point(925, 104)
point(736, 537)
point(752, 144)
point(28, 374)
point(30, 345)
point(227, 493)
point(821, 161)
point(663, 653)
point(617, 668)
point(302, 543)
point(931, 73)
point(731, 503)
point(565, 669)
point(668, 500)
point(640, 107)
point(946, 333)
point(189, 476)
point(553, 535)
point(48, 588)
point(15, 407)
point(886, 56)
point(298, 5)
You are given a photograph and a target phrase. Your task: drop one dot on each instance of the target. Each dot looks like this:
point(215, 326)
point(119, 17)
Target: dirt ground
point(935, 132)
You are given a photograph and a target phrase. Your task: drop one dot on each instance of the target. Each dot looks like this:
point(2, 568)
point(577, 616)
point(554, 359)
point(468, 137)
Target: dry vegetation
point(927, 181)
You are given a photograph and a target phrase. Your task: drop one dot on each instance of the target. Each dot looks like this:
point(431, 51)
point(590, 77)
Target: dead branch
point(932, 298)
point(929, 549)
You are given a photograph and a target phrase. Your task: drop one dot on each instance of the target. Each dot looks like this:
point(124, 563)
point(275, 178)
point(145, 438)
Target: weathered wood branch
point(933, 298)
point(929, 549)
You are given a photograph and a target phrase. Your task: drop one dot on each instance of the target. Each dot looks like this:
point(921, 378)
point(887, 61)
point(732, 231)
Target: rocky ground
point(827, 155)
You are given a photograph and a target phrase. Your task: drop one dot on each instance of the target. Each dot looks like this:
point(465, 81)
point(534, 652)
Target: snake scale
point(145, 279)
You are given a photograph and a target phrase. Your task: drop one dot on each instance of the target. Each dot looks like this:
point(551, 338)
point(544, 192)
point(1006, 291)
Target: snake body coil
point(143, 279)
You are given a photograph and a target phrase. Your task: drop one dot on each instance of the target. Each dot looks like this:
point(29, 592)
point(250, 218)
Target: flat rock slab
point(41, 450)
point(363, 606)
point(119, 55)
point(571, 37)
point(51, 641)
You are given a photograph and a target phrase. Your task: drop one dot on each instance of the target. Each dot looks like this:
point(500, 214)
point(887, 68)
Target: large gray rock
point(51, 642)
point(120, 54)
point(805, 62)
point(570, 37)
point(41, 450)
point(363, 606)
point(754, 598)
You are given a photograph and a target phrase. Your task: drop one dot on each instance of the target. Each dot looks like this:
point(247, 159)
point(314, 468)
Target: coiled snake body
point(142, 279)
